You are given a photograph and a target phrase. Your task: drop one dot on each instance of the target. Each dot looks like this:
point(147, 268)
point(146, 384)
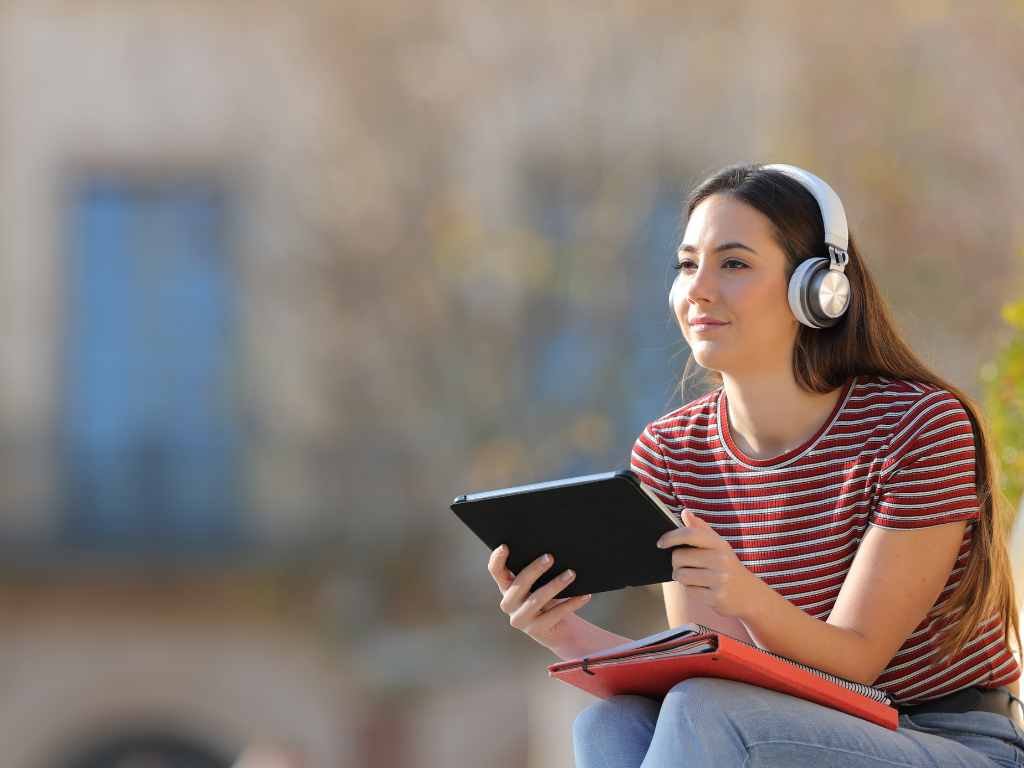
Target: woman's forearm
point(583, 638)
point(727, 625)
point(680, 609)
point(779, 626)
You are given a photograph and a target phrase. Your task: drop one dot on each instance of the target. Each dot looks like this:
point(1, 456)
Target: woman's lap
point(707, 721)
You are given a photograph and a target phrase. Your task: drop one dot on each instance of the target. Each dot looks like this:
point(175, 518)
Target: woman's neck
point(769, 414)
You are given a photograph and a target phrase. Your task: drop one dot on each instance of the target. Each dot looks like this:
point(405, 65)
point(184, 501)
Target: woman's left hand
point(710, 566)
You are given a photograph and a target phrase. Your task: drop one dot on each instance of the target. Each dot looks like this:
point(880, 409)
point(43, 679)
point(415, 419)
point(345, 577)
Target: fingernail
point(661, 544)
point(568, 575)
point(548, 558)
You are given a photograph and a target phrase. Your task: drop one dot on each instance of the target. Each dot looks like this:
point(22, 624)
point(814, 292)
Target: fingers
point(524, 608)
point(683, 557)
point(540, 600)
point(519, 589)
point(496, 566)
point(552, 616)
point(535, 614)
point(693, 577)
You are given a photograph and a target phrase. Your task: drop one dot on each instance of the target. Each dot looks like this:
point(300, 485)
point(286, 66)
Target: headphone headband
point(819, 290)
point(832, 214)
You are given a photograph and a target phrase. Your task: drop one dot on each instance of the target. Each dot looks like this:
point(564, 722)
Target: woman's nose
point(699, 284)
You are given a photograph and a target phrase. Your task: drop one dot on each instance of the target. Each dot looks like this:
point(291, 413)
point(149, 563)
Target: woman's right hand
point(540, 615)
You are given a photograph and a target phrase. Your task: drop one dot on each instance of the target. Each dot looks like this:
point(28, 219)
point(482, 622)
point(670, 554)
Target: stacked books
point(651, 665)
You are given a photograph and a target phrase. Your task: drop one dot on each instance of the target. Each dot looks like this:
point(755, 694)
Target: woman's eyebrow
point(722, 247)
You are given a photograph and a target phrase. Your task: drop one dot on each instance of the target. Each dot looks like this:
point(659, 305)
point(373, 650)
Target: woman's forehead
point(721, 218)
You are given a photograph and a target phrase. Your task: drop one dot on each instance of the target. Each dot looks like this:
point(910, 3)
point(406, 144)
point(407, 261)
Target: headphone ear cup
point(812, 288)
point(800, 285)
point(829, 296)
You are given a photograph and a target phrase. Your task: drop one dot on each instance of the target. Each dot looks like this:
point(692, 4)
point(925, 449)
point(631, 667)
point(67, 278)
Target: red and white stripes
point(893, 453)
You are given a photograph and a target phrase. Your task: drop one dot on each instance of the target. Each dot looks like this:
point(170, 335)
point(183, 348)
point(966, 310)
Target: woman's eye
point(688, 263)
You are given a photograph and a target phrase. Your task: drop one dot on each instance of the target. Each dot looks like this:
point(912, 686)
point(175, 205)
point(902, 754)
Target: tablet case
point(604, 526)
point(649, 667)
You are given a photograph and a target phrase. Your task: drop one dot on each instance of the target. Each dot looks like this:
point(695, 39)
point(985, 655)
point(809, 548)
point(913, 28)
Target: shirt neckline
point(725, 435)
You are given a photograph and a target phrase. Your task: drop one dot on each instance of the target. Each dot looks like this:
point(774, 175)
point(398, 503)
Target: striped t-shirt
point(893, 453)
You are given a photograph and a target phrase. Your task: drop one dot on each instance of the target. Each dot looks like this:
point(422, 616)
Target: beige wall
point(249, 89)
point(158, 88)
point(72, 681)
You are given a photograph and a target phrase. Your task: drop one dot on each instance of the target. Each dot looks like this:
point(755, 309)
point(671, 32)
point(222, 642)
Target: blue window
point(569, 356)
point(659, 350)
point(149, 442)
point(625, 366)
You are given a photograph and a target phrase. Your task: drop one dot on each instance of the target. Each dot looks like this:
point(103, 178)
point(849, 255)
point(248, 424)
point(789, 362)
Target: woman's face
point(733, 271)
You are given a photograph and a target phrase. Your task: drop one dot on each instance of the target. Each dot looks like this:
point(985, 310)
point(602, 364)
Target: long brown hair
point(866, 342)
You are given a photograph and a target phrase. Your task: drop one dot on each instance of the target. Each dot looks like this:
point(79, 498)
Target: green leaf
point(1003, 381)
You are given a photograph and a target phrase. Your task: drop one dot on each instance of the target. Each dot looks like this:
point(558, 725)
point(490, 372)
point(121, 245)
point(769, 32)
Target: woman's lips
point(705, 327)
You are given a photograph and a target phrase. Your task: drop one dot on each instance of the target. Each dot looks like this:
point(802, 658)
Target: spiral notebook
point(651, 665)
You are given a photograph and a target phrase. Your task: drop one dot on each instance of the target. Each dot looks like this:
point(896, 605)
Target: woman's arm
point(680, 611)
point(582, 638)
point(895, 578)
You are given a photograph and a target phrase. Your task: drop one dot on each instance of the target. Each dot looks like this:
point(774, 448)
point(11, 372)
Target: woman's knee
point(615, 711)
point(716, 699)
point(709, 703)
point(711, 690)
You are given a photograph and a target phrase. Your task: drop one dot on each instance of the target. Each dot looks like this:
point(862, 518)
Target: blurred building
point(174, 465)
point(280, 280)
point(157, 423)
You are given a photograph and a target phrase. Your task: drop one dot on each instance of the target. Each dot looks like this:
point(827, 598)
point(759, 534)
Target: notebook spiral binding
point(877, 694)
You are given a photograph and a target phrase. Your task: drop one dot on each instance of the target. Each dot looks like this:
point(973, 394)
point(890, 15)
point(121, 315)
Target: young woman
point(841, 505)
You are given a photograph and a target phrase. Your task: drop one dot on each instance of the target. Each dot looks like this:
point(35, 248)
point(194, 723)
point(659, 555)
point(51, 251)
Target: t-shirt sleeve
point(929, 478)
point(648, 462)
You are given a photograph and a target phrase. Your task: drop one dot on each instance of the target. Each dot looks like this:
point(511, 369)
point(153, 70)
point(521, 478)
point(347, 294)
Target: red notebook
point(652, 665)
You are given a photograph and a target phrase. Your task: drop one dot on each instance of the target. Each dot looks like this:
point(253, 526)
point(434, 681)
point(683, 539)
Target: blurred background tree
point(448, 230)
point(1004, 402)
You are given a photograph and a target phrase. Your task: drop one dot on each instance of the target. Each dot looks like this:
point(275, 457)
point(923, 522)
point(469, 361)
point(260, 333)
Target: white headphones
point(819, 290)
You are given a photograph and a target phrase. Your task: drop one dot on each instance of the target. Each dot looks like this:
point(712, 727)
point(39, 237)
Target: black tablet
point(604, 526)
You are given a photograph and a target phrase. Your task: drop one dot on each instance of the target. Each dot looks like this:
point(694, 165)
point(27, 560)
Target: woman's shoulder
point(904, 396)
point(910, 409)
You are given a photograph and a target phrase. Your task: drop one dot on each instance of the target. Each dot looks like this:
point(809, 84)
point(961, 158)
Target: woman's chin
point(706, 356)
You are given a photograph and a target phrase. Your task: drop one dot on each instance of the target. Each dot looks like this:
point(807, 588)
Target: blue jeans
point(707, 722)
